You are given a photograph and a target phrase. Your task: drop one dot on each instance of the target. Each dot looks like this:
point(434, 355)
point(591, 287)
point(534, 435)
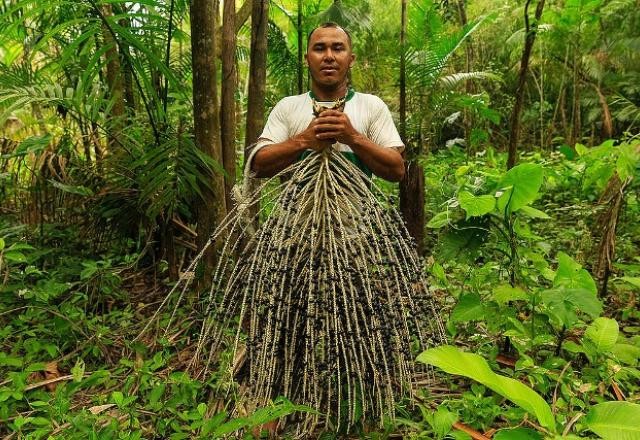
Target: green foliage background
point(547, 339)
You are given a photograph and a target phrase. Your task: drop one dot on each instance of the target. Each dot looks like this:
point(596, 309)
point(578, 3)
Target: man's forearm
point(271, 159)
point(383, 162)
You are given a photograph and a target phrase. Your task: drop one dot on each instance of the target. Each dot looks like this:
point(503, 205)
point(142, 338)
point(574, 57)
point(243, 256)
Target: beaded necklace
point(336, 104)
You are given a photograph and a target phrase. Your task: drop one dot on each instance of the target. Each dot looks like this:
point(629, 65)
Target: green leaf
point(532, 212)
point(72, 189)
point(15, 256)
point(505, 293)
point(634, 281)
point(78, 370)
point(454, 361)
point(441, 421)
point(476, 206)
point(280, 408)
point(603, 332)
point(564, 304)
point(10, 361)
point(570, 274)
point(439, 220)
point(615, 420)
point(627, 161)
point(1, 243)
point(469, 308)
point(520, 186)
point(118, 398)
point(517, 434)
point(626, 353)
point(33, 144)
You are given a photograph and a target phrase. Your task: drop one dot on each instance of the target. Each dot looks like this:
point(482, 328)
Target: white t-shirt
point(368, 114)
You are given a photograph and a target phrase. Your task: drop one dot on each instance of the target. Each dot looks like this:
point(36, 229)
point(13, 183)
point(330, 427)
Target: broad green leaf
point(603, 332)
point(615, 420)
point(461, 171)
point(517, 434)
point(582, 150)
point(634, 281)
point(570, 274)
point(441, 421)
point(505, 293)
point(439, 220)
point(476, 206)
point(454, 361)
point(469, 308)
point(627, 163)
point(564, 304)
point(626, 353)
point(1, 243)
point(532, 212)
point(15, 256)
point(520, 186)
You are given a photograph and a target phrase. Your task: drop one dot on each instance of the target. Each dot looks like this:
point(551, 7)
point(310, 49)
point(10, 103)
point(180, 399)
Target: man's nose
point(328, 54)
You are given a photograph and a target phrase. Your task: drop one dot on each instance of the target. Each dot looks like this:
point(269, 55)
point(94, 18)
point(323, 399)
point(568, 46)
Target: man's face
point(329, 57)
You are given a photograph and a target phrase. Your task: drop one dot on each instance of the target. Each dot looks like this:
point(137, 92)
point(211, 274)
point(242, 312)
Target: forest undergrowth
point(538, 295)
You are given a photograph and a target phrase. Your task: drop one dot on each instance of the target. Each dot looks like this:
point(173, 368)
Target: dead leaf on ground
point(51, 372)
point(101, 408)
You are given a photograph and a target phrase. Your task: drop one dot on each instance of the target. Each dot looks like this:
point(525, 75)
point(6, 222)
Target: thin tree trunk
point(576, 122)
point(403, 73)
point(469, 86)
point(530, 38)
point(228, 106)
point(300, 43)
point(607, 121)
point(115, 82)
point(129, 95)
point(206, 120)
point(412, 186)
point(258, 70)
point(258, 74)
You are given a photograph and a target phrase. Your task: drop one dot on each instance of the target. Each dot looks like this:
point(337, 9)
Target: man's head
point(329, 56)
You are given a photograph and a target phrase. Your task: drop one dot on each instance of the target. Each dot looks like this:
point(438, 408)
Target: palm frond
point(453, 80)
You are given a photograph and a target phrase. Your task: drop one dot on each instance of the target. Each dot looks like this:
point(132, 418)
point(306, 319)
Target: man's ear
point(353, 60)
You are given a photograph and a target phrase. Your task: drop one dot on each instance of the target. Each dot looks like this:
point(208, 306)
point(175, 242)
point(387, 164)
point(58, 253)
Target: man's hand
point(308, 139)
point(333, 125)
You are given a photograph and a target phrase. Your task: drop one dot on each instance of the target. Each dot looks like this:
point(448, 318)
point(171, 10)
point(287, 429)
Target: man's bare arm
point(273, 158)
point(383, 162)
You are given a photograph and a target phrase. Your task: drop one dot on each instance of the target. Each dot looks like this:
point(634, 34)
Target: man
point(325, 288)
point(363, 130)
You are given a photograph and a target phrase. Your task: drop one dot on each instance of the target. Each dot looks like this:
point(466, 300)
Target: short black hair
point(331, 25)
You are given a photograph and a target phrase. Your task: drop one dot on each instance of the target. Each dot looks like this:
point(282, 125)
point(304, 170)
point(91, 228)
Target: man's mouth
point(328, 69)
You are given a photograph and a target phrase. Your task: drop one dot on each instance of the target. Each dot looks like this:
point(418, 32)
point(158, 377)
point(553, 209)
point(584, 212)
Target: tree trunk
point(114, 80)
point(530, 38)
point(127, 71)
point(403, 73)
point(258, 71)
point(468, 86)
point(607, 121)
point(412, 186)
point(206, 120)
point(228, 106)
point(300, 52)
point(257, 76)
